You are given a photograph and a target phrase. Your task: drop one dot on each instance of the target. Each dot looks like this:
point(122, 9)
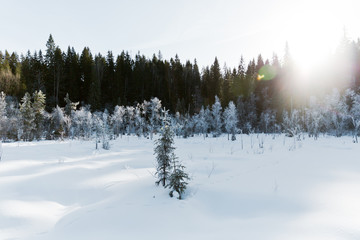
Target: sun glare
point(313, 30)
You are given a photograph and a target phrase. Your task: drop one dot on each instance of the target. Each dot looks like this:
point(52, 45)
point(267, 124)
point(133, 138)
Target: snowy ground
point(68, 190)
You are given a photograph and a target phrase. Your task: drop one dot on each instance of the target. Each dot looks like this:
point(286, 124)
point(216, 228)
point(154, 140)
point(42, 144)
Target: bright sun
point(313, 30)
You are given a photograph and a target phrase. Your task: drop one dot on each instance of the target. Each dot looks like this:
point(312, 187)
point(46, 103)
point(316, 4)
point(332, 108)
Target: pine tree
point(28, 117)
point(178, 179)
point(164, 151)
point(39, 111)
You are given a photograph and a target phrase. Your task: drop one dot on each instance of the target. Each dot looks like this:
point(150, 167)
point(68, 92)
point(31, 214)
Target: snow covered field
point(68, 190)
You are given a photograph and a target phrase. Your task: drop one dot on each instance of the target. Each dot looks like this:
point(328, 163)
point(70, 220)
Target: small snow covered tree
point(216, 114)
point(201, 124)
point(178, 124)
point(337, 112)
point(178, 179)
point(267, 119)
point(292, 123)
point(70, 106)
point(231, 120)
point(82, 123)
point(13, 122)
point(354, 112)
point(58, 122)
point(154, 118)
point(188, 126)
point(164, 151)
point(69, 111)
point(313, 118)
point(3, 117)
point(117, 120)
point(28, 117)
point(105, 132)
point(138, 121)
point(97, 127)
point(130, 119)
point(39, 111)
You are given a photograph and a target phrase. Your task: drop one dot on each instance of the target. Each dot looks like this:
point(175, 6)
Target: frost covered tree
point(354, 112)
point(70, 106)
point(337, 112)
point(3, 117)
point(178, 124)
point(130, 119)
point(27, 117)
point(201, 123)
point(105, 132)
point(154, 118)
point(216, 114)
point(313, 118)
point(82, 123)
point(231, 120)
point(98, 127)
point(39, 113)
point(69, 111)
point(188, 126)
point(117, 120)
point(178, 179)
point(58, 123)
point(139, 122)
point(292, 123)
point(13, 121)
point(267, 119)
point(164, 151)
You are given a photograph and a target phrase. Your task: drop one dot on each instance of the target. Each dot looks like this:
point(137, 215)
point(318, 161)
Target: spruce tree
point(28, 116)
point(39, 111)
point(164, 151)
point(178, 179)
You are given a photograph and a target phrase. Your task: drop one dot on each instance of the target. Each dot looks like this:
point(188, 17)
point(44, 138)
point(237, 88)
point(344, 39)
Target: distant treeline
point(104, 82)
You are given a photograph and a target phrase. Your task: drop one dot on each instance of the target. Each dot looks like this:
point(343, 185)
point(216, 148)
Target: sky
point(192, 29)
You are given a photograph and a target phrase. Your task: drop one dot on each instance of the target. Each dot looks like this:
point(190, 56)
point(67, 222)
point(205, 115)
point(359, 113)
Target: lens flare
point(266, 73)
point(259, 77)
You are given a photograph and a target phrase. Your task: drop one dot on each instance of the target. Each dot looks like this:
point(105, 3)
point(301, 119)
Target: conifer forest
point(69, 94)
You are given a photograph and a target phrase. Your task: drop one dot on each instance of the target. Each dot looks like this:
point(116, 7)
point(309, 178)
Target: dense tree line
point(106, 81)
point(261, 96)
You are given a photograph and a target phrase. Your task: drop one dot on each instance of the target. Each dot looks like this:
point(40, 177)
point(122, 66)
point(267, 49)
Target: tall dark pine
point(50, 80)
point(215, 78)
point(72, 77)
point(58, 74)
point(87, 74)
point(108, 86)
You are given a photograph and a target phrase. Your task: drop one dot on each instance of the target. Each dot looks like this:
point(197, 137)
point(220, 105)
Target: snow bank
point(258, 187)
